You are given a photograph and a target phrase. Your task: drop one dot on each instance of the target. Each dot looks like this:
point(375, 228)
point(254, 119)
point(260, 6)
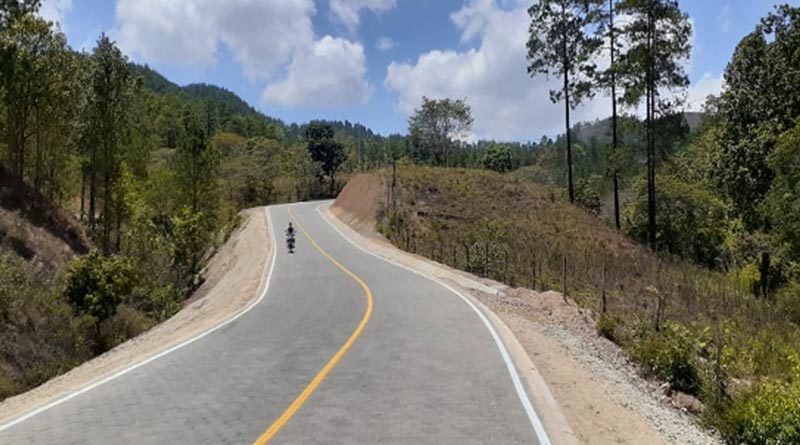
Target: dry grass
point(500, 226)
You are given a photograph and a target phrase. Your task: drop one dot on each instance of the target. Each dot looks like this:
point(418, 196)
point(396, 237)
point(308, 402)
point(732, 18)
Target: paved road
point(425, 369)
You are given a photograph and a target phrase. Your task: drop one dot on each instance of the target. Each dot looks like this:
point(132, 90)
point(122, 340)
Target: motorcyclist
point(290, 232)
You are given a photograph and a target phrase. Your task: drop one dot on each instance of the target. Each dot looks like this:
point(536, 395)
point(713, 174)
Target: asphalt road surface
point(343, 349)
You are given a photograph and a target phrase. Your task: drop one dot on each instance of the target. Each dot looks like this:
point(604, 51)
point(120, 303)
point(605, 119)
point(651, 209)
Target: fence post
point(658, 312)
point(603, 290)
point(533, 272)
point(565, 278)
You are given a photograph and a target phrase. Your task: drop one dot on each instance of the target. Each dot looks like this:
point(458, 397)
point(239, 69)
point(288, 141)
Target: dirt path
point(234, 278)
point(598, 390)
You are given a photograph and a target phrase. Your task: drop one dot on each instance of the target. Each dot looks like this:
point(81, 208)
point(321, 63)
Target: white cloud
point(385, 44)
point(348, 11)
point(265, 38)
point(492, 76)
point(331, 74)
point(506, 102)
point(262, 35)
point(54, 10)
point(700, 90)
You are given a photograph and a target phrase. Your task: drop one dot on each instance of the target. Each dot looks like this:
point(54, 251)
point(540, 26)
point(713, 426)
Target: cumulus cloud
point(492, 76)
point(331, 74)
point(54, 10)
point(348, 12)
point(266, 38)
point(262, 35)
point(700, 90)
point(506, 102)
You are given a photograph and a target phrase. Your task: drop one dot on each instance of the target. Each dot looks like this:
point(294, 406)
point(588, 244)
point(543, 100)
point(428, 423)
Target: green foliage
point(436, 127)
point(692, 222)
point(587, 194)
point(197, 165)
point(96, 285)
point(497, 157)
point(607, 327)
point(788, 300)
point(760, 101)
point(768, 414)
point(782, 203)
point(670, 355)
point(325, 150)
point(190, 236)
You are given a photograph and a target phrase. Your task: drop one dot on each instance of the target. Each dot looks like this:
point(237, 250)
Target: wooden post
point(565, 279)
point(469, 264)
point(486, 259)
point(394, 183)
point(505, 268)
point(603, 290)
point(533, 272)
point(657, 320)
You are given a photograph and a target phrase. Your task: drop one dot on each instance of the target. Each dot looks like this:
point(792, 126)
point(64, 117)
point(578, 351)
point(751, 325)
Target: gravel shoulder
point(234, 278)
point(597, 389)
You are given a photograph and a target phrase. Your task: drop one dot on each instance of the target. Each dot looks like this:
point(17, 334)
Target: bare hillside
point(35, 230)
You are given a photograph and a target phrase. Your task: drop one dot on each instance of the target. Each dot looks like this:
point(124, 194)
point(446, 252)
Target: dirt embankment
point(34, 229)
point(598, 390)
point(235, 277)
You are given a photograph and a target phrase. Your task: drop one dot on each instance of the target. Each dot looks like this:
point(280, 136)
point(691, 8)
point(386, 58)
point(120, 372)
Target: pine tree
point(560, 45)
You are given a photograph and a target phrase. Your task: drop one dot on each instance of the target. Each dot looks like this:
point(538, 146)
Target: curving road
point(343, 349)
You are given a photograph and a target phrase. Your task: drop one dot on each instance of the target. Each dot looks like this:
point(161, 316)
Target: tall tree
point(560, 45)
point(760, 101)
point(197, 163)
point(436, 126)
point(41, 94)
point(659, 38)
point(112, 90)
point(608, 80)
point(325, 149)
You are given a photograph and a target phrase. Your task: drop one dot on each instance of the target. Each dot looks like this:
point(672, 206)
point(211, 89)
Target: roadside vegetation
point(699, 283)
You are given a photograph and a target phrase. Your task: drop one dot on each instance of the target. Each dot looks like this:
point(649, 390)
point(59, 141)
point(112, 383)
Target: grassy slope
point(38, 334)
point(495, 225)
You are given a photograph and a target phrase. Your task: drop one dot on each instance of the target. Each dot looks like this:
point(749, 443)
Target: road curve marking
point(530, 411)
point(301, 399)
point(269, 266)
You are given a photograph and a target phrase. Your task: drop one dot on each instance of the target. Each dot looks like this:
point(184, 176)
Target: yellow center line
point(298, 402)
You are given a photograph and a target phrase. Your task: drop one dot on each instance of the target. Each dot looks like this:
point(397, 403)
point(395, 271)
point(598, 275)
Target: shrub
point(587, 194)
point(670, 355)
point(769, 414)
point(7, 386)
point(607, 327)
point(691, 220)
point(789, 301)
point(126, 324)
point(96, 285)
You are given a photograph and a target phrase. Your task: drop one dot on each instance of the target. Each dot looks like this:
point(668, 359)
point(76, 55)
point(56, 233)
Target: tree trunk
point(569, 135)
point(615, 139)
point(83, 195)
point(651, 169)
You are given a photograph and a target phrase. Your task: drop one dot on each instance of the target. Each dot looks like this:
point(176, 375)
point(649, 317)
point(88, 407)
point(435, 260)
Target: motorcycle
point(290, 242)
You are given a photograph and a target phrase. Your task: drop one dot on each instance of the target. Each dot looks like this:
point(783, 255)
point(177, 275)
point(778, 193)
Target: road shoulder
point(235, 278)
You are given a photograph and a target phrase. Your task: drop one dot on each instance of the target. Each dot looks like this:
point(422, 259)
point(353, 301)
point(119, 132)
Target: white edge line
point(536, 423)
point(130, 368)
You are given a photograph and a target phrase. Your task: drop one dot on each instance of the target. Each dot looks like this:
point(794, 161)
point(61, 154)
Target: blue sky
point(371, 61)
